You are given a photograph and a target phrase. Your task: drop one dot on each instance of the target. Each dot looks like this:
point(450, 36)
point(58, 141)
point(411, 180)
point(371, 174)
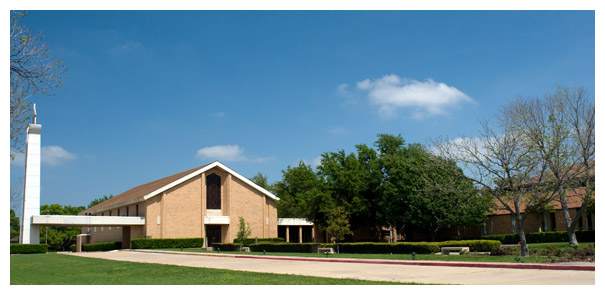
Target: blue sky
point(151, 93)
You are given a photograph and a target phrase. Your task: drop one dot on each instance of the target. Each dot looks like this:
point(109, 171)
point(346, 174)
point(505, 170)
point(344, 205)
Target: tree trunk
point(570, 225)
point(521, 231)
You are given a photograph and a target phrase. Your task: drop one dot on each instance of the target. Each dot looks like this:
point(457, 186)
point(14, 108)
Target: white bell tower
point(30, 234)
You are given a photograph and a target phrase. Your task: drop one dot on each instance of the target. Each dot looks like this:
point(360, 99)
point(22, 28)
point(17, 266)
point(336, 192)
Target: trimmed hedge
point(28, 248)
point(385, 248)
point(102, 246)
point(587, 236)
point(225, 246)
point(474, 245)
point(285, 247)
point(248, 242)
point(167, 243)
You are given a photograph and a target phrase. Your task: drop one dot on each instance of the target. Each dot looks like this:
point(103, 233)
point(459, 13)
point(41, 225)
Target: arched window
point(213, 191)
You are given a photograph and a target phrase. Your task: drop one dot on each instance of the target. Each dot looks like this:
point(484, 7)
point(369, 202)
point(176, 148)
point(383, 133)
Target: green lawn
point(60, 269)
point(430, 257)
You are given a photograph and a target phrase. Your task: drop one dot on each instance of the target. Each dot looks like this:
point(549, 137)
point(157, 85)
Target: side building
point(206, 201)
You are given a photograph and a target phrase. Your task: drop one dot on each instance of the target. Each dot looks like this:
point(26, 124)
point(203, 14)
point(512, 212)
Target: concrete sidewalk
point(429, 274)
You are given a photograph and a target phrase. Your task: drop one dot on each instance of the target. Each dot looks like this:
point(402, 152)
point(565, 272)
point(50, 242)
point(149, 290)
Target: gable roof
point(151, 189)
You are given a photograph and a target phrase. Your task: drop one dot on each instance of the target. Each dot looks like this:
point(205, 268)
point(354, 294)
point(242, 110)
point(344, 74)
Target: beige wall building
point(206, 201)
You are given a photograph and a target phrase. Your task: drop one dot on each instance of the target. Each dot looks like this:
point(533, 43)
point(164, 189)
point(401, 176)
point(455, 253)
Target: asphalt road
point(364, 271)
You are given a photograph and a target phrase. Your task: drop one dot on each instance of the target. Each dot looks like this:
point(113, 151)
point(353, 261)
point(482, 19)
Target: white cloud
point(52, 155)
point(316, 161)
point(228, 153)
point(55, 155)
point(424, 98)
point(219, 114)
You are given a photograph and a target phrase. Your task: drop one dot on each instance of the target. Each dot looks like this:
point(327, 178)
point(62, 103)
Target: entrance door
point(213, 234)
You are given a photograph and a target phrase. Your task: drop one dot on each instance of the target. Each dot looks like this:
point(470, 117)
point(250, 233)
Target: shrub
point(474, 245)
point(102, 246)
point(248, 242)
point(226, 246)
point(167, 243)
point(285, 247)
point(28, 248)
point(585, 236)
point(385, 248)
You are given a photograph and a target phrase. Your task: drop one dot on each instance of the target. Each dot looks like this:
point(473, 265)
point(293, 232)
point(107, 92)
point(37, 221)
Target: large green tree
point(59, 238)
point(303, 194)
point(352, 181)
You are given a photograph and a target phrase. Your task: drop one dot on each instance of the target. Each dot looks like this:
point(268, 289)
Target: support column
point(300, 234)
point(30, 234)
point(287, 234)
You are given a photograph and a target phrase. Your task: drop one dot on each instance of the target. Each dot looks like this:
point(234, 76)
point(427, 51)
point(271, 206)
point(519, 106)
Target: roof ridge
point(152, 185)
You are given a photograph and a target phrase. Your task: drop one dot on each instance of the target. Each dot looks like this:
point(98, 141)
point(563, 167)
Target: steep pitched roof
point(151, 189)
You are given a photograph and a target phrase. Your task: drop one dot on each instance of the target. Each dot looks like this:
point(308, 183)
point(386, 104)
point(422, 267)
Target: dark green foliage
point(474, 245)
point(167, 243)
point(285, 247)
point(543, 237)
point(59, 238)
point(28, 248)
point(385, 248)
point(15, 224)
point(103, 246)
point(99, 200)
point(248, 242)
point(226, 246)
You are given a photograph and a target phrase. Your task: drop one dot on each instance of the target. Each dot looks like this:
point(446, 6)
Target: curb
point(428, 263)
point(395, 262)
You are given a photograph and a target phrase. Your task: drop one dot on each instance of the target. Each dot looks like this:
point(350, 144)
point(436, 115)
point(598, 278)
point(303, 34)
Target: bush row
point(285, 247)
point(248, 242)
point(167, 243)
point(474, 245)
point(586, 236)
point(28, 248)
point(102, 246)
point(226, 246)
point(383, 248)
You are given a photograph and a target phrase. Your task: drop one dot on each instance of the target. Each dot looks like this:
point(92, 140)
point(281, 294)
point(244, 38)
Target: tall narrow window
point(513, 223)
point(213, 191)
point(126, 210)
point(553, 221)
point(118, 212)
point(137, 208)
point(580, 222)
point(589, 221)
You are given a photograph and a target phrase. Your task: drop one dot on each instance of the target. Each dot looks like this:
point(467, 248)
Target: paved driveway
point(365, 271)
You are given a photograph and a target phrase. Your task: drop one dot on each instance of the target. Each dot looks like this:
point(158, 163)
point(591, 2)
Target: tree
point(303, 194)
point(506, 168)
point(59, 238)
point(15, 224)
point(243, 233)
point(579, 111)
point(338, 224)
point(352, 181)
point(261, 180)
point(33, 70)
point(425, 191)
point(99, 200)
point(549, 125)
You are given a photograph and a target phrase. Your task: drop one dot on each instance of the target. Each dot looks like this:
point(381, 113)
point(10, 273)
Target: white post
point(30, 234)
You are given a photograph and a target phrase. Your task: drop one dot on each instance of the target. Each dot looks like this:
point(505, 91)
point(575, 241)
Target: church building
point(206, 201)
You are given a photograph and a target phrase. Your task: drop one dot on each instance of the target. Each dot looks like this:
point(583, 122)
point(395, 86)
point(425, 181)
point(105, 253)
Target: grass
point(59, 269)
point(429, 257)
